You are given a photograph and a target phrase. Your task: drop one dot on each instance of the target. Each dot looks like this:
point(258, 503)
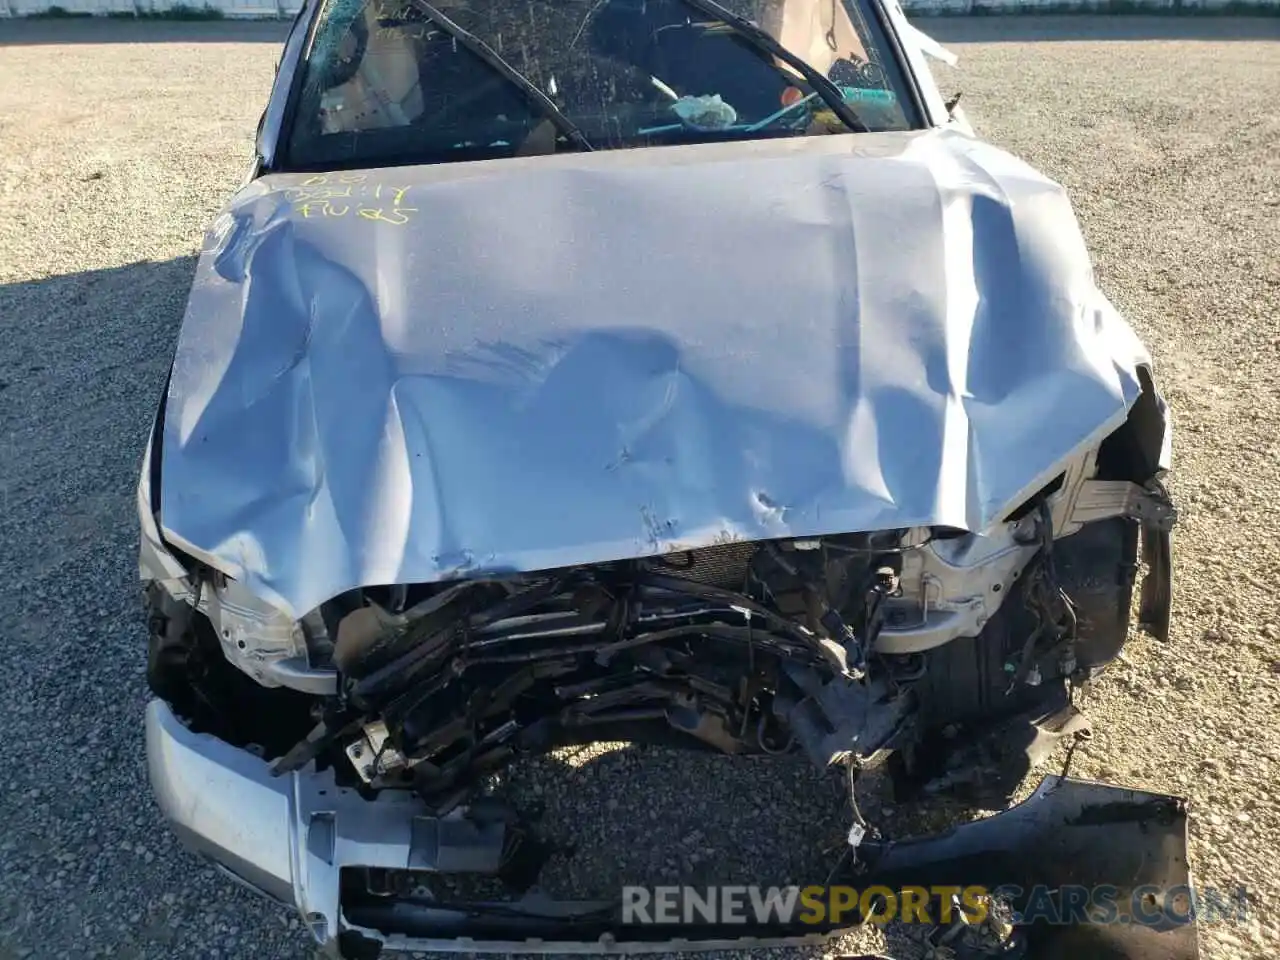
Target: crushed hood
point(524, 364)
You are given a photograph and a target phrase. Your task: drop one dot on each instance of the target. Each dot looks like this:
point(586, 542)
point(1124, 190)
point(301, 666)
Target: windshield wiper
point(539, 100)
point(766, 43)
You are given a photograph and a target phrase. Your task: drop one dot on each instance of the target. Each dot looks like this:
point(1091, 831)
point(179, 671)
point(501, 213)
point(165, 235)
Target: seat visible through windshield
point(386, 83)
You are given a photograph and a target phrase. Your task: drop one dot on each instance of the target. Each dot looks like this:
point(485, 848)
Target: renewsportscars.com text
point(1146, 905)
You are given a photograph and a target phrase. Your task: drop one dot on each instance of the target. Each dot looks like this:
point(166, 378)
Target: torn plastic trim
point(1155, 609)
point(919, 77)
point(1102, 499)
point(929, 46)
point(290, 838)
point(1069, 834)
point(1141, 448)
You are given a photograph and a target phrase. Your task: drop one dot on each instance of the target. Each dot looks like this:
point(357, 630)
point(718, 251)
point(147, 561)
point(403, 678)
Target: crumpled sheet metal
point(590, 357)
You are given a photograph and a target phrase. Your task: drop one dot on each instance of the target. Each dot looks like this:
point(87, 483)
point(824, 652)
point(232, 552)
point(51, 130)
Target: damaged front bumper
point(291, 837)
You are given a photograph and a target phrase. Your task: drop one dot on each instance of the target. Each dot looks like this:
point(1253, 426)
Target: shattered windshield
point(411, 81)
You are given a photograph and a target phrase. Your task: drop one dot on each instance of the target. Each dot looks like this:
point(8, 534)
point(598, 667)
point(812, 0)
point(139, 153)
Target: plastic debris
point(868, 95)
point(705, 113)
point(856, 833)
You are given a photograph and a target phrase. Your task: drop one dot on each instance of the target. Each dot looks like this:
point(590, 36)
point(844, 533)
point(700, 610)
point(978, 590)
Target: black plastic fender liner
point(1126, 850)
point(1105, 864)
point(1156, 598)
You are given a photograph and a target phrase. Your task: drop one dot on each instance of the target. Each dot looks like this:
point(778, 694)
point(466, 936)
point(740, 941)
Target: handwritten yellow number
point(299, 195)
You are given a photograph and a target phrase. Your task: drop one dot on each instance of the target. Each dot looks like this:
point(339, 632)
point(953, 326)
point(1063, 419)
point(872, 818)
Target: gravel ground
point(117, 145)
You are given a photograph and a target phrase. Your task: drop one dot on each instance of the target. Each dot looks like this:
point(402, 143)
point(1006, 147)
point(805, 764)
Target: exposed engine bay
point(845, 648)
point(850, 650)
point(741, 648)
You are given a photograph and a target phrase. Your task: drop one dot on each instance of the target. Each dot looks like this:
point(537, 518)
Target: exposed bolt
point(887, 580)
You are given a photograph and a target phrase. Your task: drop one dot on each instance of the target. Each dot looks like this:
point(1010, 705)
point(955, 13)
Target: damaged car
point(656, 371)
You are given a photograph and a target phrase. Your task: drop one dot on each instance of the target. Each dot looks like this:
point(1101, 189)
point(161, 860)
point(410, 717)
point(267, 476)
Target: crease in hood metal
point(582, 358)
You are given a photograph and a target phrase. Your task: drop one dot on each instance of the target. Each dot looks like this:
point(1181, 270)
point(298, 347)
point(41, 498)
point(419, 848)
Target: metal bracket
point(1101, 499)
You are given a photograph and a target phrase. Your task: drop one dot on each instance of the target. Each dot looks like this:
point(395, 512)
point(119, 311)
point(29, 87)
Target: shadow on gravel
point(111, 30)
point(620, 814)
point(86, 869)
point(1029, 28)
point(82, 362)
point(611, 815)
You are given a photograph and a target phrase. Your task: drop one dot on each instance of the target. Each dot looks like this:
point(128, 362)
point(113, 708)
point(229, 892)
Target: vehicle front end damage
point(901, 535)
